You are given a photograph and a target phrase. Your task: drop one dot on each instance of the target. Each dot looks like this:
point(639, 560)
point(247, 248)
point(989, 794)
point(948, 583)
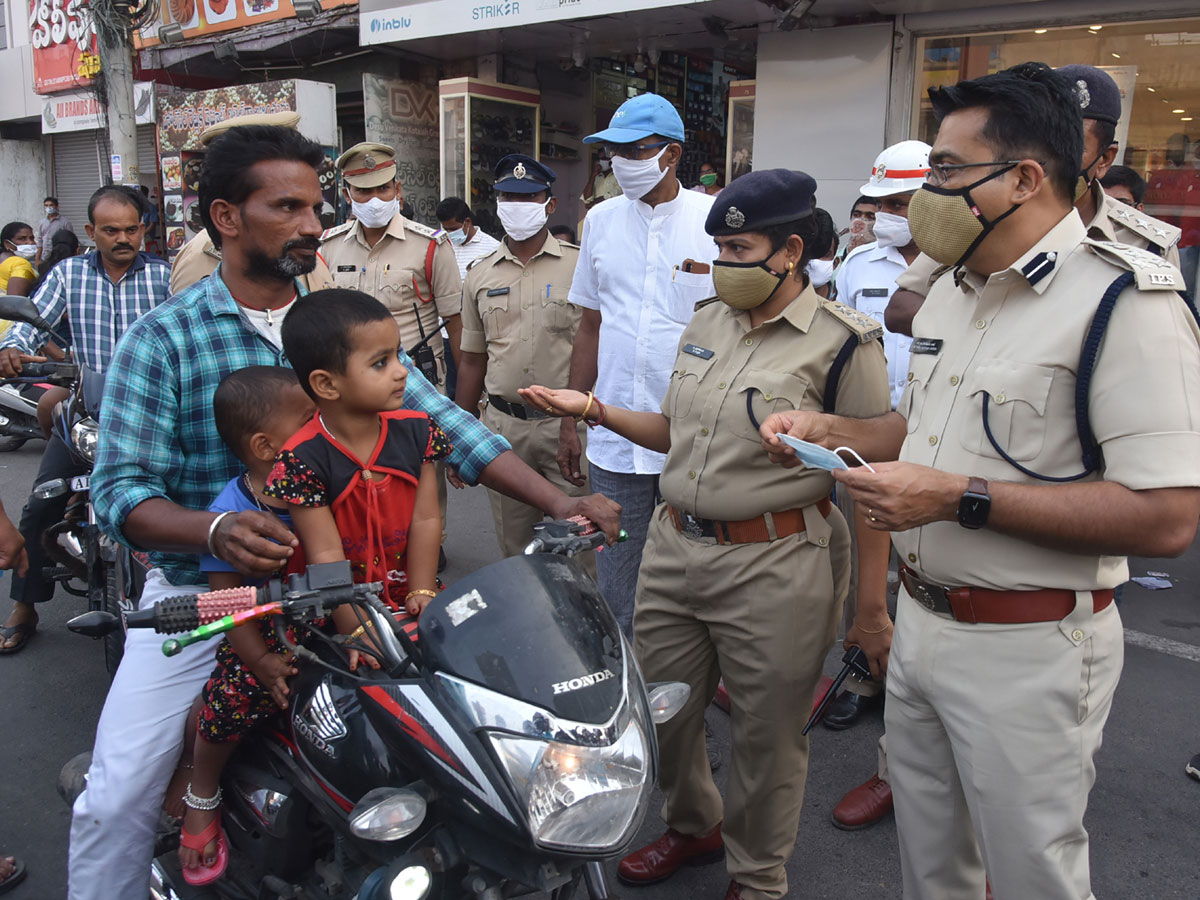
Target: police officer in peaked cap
point(747, 564)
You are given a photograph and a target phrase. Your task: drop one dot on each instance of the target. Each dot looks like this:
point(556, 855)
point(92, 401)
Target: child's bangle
point(582, 417)
point(419, 592)
point(599, 420)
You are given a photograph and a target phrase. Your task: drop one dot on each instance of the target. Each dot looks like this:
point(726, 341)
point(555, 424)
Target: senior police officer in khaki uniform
point(518, 330)
point(399, 262)
point(1108, 219)
point(199, 258)
point(1013, 519)
point(747, 565)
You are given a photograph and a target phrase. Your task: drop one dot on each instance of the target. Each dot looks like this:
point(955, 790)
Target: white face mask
point(375, 213)
point(521, 220)
point(25, 251)
point(605, 165)
point(820, 272)
point(638, 177)
point(891, 230)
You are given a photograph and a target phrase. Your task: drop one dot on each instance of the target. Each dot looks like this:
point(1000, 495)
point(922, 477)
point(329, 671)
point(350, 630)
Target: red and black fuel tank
point(531, 627)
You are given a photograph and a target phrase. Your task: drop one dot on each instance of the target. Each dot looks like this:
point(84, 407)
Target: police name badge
point(701, 352)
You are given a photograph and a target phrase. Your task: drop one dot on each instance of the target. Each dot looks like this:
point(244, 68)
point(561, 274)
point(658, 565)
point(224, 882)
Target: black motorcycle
point(88, 563)
point(508, 749)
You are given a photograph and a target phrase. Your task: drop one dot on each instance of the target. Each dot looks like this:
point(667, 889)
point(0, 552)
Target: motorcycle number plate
point(80, 483)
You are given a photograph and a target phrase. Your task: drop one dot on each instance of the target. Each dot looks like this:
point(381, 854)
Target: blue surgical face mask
point(457, 237)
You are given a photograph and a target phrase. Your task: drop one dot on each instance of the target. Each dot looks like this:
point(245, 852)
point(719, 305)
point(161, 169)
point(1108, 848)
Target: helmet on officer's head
point(899, 169)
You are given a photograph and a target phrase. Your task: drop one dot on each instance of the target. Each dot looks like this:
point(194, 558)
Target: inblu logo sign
point(496, 10)
point(395, 23)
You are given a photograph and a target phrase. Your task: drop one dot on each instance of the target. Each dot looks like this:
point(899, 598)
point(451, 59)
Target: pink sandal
point(201, 875)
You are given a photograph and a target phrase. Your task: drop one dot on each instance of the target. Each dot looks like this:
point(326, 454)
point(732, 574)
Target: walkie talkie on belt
point(422, 354)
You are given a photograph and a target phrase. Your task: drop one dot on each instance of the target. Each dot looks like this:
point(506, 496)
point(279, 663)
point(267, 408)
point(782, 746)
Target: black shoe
point(847, 708)
point(442, 561)
point(1193, 767)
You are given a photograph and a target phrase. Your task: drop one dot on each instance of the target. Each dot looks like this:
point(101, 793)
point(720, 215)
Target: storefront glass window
point(1157, 67)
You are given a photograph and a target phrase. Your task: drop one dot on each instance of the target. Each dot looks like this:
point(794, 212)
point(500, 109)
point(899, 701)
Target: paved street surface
point(1143, 815)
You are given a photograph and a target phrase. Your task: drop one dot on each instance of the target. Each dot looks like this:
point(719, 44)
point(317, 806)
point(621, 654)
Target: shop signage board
point(183, 115)
point(404, 115)
point(390, 21)
point(82, 111)
point(201, 18)
point(63, 40)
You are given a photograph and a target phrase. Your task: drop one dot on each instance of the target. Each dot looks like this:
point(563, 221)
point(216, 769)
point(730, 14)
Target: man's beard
point(283, 267)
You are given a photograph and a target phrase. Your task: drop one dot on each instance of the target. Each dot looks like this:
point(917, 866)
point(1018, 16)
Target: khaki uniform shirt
point(920, 275)
point(199, 258)
point(393, 271)
point(1015, 337)
point(519, 316)
point(716, 467)
point(1116, 221)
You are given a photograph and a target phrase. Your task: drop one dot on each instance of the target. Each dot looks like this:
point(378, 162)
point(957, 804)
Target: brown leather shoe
point(863, 806)
point(734, 892)
point(660, 860)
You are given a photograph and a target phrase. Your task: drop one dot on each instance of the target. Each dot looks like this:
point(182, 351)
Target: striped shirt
point(158, 437)
point(98, 310)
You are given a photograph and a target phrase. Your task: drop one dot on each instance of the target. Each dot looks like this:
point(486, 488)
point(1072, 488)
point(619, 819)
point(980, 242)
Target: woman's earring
point(791, 265)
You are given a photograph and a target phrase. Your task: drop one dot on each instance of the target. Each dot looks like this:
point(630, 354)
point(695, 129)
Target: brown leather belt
point(748, 531)
point(984, 605)
point(516, 410)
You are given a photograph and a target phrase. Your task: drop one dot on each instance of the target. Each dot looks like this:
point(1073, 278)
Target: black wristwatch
point(975, 504)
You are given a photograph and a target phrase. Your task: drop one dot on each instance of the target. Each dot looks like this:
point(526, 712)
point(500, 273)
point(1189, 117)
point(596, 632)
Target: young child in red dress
point(359, 477)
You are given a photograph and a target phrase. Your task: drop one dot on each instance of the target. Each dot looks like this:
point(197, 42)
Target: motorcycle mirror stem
point(22, 309)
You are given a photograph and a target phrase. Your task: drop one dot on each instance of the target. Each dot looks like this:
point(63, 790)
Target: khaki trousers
point(763, 616)
point(535, 441)
point(991, 735)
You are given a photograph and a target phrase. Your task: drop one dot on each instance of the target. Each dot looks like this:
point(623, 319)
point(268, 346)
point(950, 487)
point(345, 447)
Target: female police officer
point(747, 564)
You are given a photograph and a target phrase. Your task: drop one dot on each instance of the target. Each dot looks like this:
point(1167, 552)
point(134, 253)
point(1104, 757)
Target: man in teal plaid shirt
point(160, 463)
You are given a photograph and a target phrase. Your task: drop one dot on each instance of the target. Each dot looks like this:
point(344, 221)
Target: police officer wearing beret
point(518, 329)
point(1030, 467)
point(198, 258)
point(1106, 218)
point(747, 565)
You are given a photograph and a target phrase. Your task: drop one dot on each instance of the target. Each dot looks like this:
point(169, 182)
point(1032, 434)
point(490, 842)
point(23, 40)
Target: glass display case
point(483, 122)
point(739, 150)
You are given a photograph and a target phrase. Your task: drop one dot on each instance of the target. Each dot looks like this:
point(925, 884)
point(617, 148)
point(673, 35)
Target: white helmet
point(899, 169)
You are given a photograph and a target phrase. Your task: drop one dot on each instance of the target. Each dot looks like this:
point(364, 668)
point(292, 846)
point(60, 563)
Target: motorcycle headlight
point(577, 797)
point(84, 437)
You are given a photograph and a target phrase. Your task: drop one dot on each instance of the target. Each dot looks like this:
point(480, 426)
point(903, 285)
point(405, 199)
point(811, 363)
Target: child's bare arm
point(271, 669)
point(318, 533)
point(424, 540)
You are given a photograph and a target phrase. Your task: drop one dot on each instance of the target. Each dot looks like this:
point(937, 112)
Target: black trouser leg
point(37, 516)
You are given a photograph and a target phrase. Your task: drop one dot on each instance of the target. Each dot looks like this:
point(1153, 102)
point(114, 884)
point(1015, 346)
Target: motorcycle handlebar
point(58, 373)
point(568, 537)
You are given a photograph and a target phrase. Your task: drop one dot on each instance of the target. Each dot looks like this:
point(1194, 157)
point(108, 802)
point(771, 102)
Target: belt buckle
point(926, 594)
point(690, 526)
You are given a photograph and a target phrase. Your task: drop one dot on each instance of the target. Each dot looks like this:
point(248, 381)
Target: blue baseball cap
point(638, 118)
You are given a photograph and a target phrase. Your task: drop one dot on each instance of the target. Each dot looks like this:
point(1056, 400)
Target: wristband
point(212, 531)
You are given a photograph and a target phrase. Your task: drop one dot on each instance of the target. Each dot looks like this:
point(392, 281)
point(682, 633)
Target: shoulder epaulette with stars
point(425, 231)
point(1153, 273)
point(210, 250)
point(1159, 233)
point(861, 324)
